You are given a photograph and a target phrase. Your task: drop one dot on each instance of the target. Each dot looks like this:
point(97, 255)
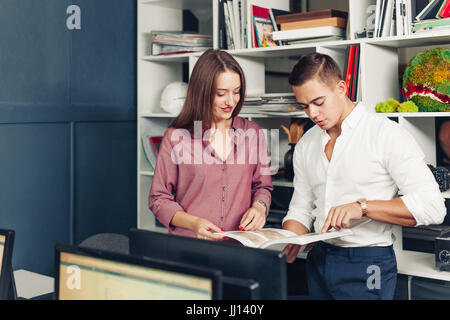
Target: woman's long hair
point(198, 105)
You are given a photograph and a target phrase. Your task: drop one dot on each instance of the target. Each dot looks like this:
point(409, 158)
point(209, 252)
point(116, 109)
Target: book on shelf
point(151, 146)
point(394, 17)
point(311, 15)
point(281, 110)
point(309, 33)
point(331, 22)
point(430, 11)
point(236, 21)
point(444, 11)
point(269, 237)
point(262, 27)
point(263, 32)
point(158, 49)
point(355, 76)
point(315, 40)
point(222, 26)
point(432, 25)
point(432, 17)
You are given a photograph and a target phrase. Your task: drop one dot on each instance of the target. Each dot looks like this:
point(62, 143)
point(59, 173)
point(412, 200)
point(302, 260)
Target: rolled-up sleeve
point(301, 205)
point(262, 179)
point(419, 190)
point(161, 200)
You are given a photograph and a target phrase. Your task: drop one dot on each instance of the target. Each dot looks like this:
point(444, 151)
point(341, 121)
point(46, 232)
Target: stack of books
point(280, 104)
point(318, 25)
point(251, 105)
point(176, 42)
point(435, 17)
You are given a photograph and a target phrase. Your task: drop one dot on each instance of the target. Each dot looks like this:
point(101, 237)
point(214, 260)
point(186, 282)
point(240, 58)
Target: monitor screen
point(266, 267)
point(87, 274)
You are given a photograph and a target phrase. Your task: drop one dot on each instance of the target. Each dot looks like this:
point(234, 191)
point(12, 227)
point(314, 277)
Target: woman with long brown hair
point(212, 172)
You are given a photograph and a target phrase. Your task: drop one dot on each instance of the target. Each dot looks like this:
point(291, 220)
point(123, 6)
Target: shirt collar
point(350, 121)
point(353, 118)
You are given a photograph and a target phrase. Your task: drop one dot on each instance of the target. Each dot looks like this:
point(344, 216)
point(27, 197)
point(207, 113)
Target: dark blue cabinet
point(67, 124)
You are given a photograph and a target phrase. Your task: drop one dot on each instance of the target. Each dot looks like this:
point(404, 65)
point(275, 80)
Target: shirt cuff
point(415, 207)
point(304, 220)
point(166, 213)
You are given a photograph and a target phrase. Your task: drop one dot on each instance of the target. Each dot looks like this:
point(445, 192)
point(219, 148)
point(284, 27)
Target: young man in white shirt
point(349, 169)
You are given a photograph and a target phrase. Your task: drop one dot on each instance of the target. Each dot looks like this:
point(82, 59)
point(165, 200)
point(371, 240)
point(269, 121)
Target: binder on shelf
point(351, 70)
point(355, 77)
point(444, 11)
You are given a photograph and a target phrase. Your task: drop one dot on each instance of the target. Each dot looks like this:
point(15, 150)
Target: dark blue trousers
point(363, 273)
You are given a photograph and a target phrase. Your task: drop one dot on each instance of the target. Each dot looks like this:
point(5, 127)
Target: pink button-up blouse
point(189, 177)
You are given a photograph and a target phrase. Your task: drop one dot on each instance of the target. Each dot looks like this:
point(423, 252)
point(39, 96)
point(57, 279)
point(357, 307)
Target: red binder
point(445, 12)
point(349, 69)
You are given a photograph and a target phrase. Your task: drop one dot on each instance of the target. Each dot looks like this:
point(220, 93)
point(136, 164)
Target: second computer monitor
point(266, 267)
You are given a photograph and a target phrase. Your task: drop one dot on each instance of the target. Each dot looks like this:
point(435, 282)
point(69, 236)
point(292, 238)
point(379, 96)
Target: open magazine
point(268, 237)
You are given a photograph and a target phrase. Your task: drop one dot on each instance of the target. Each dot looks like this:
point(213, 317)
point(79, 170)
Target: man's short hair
point(315, 65)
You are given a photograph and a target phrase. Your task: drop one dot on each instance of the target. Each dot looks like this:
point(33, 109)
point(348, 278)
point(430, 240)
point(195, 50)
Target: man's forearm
point(295, 226)
point(390, 211)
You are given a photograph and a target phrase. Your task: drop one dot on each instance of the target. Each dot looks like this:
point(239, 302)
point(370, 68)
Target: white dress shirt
point(373, 158)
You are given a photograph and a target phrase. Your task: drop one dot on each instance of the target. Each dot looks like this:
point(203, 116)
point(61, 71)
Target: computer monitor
point(266, 267)
point(7, 284)
point(89, 274)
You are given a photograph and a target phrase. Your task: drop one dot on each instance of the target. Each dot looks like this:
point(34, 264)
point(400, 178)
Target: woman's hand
point(254, 218)
point(205, 229)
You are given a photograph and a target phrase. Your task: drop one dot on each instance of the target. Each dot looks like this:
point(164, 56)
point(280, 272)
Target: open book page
point(255, 239)
point(308, 238)
point(269, 237)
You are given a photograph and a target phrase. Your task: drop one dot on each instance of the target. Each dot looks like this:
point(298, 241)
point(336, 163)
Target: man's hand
point(254, 218)
point(204, 230)
point(340, 216)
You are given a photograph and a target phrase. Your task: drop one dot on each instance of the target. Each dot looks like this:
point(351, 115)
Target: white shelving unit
point(378, 79)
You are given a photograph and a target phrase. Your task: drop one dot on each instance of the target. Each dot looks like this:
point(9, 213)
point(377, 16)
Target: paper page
point(309, 238)
point(255, 239)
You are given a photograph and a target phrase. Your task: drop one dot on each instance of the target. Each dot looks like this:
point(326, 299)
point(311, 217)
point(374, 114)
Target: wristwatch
point(262, 203)
point(363, 204)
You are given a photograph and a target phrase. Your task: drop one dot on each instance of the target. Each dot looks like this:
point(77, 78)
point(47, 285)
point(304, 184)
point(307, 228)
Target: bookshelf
point(378, 76)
